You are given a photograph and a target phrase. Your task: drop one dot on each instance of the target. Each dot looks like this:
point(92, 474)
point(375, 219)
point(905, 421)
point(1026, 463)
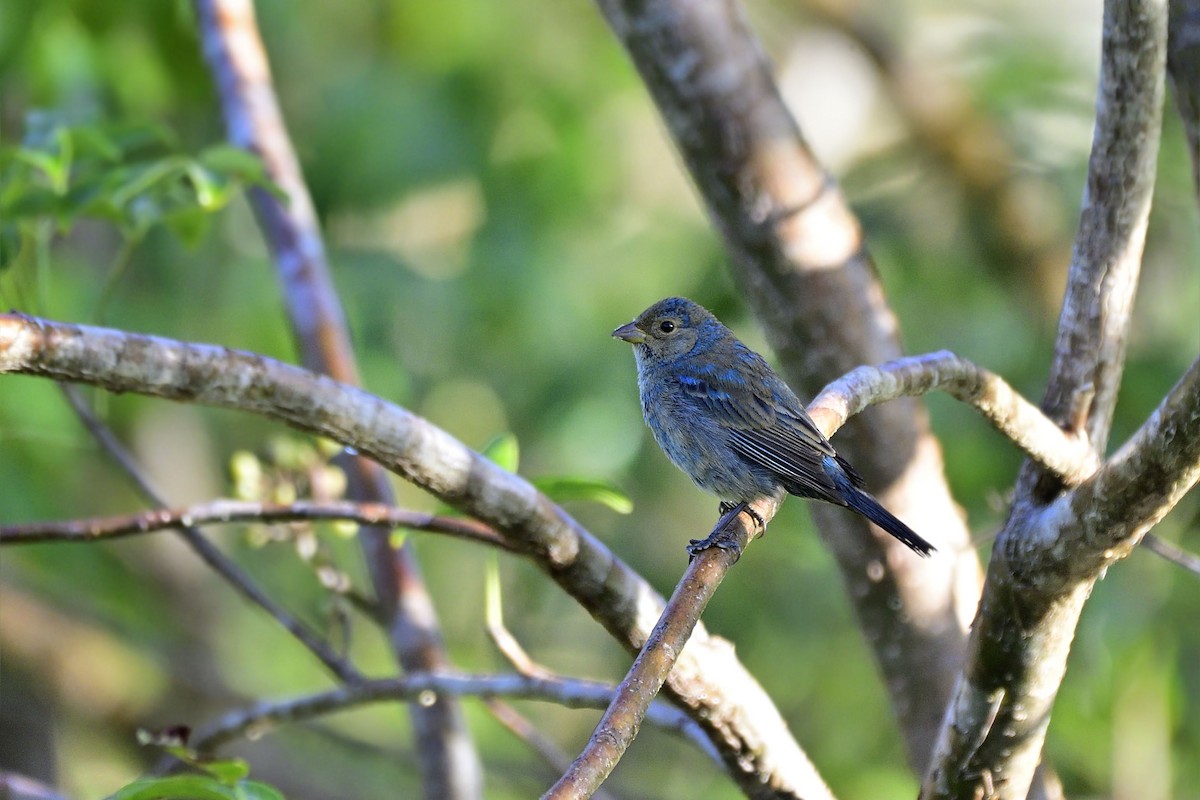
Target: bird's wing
point(794, 450)
point(767, 425)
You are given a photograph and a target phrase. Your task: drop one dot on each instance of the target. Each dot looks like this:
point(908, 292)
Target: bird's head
point(669, 328)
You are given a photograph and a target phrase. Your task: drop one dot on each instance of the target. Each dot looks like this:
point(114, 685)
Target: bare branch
point(797, 253)
point(737, 716)
point(1089, 355)
point(208, 552)
point(1027, 427)
point(1107, 514)
point(262, 717)
point(1176, 555)
point(222, 511)
point(235, 54)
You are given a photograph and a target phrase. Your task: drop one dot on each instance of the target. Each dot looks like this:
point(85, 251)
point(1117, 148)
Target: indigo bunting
point(724, 417)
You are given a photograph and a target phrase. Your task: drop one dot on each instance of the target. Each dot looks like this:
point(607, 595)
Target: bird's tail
point(869, 507)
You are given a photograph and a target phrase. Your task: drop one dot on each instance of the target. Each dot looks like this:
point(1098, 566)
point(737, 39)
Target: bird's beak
point(629, 333)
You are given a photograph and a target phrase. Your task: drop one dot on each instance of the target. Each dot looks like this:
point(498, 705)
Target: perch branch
point(623, 717)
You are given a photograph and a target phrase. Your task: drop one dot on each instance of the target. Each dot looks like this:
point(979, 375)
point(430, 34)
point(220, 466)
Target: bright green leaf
point(560, 489)
point(177, 787)
point(229, 771)
point(504, 451)
point(253, 790)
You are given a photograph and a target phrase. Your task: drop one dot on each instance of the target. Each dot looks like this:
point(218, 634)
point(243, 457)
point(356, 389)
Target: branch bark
point(241, 70)
point(798, 255)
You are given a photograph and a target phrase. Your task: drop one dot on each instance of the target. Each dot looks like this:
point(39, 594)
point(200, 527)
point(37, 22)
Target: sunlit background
point(497, 195)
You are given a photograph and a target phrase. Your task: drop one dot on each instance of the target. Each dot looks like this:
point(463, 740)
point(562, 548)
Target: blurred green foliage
point(497, 196)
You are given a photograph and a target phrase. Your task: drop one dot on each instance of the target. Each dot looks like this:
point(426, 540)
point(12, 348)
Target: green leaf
point(561, 489)
point(253, 790)
point(504, 451)
point(229, 160)
point(177, 787)
point(228, 771)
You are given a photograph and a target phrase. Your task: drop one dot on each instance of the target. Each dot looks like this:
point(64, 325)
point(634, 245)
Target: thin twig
point(265, 716)
point(214, 512)
point(1176, 555)
point(238, 61)
point(206, 550)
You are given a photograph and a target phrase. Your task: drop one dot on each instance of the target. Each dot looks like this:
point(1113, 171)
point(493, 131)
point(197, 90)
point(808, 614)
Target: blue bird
point(724, 417)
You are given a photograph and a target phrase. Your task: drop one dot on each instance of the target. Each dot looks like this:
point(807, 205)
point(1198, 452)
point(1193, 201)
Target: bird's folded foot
point(722, 536)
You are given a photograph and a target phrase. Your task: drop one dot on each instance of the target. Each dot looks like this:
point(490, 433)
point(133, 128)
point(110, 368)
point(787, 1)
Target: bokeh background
point(498, 195)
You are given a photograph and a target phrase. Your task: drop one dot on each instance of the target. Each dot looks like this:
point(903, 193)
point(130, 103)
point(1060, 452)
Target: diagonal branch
point(223, 511)
point(623, 717)
point(708, 681)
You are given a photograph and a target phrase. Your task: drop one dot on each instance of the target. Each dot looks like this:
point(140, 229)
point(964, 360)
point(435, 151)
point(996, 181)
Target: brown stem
point(216, 512)
point(235, 53)
point(621, 721)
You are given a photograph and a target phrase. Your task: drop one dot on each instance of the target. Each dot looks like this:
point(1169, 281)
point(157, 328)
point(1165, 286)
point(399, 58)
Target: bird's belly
point(700, 447)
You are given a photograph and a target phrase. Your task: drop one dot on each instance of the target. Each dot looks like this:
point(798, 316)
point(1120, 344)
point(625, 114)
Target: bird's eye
point(666, 326)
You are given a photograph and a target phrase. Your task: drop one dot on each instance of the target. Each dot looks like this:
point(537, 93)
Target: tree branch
point(264, 716)
point(1020, 421)
point(1176, 555)
point(222, 511)
point(994, 728)
point(241, 71)
point(708, 681)
point(797, 254)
